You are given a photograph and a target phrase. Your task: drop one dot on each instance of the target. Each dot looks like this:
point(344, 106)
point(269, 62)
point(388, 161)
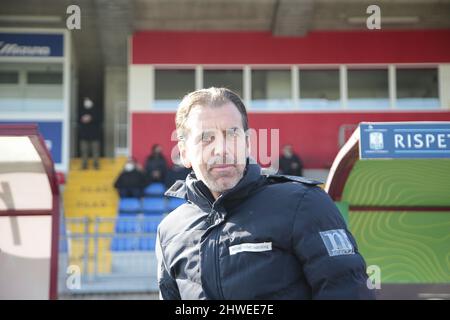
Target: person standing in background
point(89, 133)
point(290, 163)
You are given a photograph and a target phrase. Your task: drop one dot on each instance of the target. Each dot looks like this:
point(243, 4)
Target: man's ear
point(247, 144)
point(183, 154)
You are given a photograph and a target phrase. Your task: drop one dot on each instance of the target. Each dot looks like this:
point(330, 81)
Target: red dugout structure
point(29, 215)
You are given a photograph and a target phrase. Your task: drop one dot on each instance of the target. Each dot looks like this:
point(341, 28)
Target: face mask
point(88, 104)
point(129, 167)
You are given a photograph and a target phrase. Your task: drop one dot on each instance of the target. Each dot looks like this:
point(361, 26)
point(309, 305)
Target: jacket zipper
point(216, 261)
point(216, 251)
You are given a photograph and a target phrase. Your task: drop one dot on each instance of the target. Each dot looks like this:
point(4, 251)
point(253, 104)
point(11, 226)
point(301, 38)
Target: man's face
point(216, 146)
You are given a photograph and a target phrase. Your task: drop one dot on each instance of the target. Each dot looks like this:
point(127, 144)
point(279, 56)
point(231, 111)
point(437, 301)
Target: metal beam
point(292, 17)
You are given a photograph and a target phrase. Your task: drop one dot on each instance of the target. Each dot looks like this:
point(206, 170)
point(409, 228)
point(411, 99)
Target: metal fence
point(101, 255)
point(121, 129)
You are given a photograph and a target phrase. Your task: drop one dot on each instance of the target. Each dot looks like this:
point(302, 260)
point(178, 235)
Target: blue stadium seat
point(154, 205)
point(120, 226)
point(129, 205)
point(127, 214)
point(131, 243)
point(121, 243)
point(63, 241)
point(115, 244)
point(127, 225)
point(155, 189)
point(147, 243)
point(150, 223)
point(174, 203)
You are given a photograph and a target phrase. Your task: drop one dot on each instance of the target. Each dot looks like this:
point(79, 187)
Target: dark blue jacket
point(270, 237)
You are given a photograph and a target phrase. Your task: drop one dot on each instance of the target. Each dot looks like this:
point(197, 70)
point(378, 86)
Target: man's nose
point(220, 146)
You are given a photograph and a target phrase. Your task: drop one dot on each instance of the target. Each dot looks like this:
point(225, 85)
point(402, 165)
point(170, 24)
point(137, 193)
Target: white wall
point(444, 85)
point(140, 87)
point(115, 97)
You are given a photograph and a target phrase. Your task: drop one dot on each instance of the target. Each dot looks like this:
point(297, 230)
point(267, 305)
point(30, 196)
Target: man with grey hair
point(242, 234)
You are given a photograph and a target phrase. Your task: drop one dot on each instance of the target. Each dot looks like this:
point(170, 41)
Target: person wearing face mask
point(290, 163)
point(89, 133)
point(131, 181)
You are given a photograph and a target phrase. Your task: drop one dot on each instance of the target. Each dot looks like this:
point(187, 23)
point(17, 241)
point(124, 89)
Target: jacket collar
point(197, 192)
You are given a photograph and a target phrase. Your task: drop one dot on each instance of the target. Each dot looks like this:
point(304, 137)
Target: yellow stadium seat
point(89, 196)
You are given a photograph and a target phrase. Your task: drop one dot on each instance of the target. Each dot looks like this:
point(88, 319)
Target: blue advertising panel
point(404, 140)
point(52, 133)
point(31, 45)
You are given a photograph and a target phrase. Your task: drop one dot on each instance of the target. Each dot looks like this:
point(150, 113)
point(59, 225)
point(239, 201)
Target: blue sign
point(404, 140)
point(51, 131)
point(31, 45)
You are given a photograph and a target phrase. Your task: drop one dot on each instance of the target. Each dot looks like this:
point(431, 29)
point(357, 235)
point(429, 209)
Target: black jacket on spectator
point(131, 180)
point(176, 173)
point(91, 130)
point(156, 163)
point(286, 165)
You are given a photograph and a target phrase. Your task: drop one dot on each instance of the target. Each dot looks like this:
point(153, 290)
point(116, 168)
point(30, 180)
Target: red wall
point(314, 135)
point(324, 47)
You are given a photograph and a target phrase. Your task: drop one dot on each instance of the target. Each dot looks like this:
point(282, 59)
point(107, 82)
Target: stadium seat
point(147, 243)
point(63, 241)
point(154, 205)
point(128, 214)
point(174, 203)
point(129, 205)
point(155, 189)
point(127, 225)
point(150, 223)
point(121, 243)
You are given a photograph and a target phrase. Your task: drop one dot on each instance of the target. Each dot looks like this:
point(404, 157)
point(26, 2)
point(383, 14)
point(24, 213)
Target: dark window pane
point(319, 89)
point(368, 89)
point(271, 84)
point(173, 84)
point(9, 77)
point(368, 84)
point(420, 83)
point(39, 77)
point(271, 89)
point(230, 79)
point(417, 88)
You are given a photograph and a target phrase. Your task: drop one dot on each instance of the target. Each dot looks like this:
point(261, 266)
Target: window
point(319, 89)
point(368, 89)
point(9, 77)
point(11, 91)
point(271, 89)
point(171, 86)
point(44, 77)
point(43, 90)
point(31, 87)
point(417, 88)
point(230, 79)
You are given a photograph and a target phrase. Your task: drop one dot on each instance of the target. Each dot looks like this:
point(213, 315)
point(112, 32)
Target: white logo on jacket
point(337, 242)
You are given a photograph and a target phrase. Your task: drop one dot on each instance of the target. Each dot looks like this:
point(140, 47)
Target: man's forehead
point(214, 118)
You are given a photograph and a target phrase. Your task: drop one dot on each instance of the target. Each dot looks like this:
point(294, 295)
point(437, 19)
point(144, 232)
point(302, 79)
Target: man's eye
point(206, 137)
point(232, 133)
